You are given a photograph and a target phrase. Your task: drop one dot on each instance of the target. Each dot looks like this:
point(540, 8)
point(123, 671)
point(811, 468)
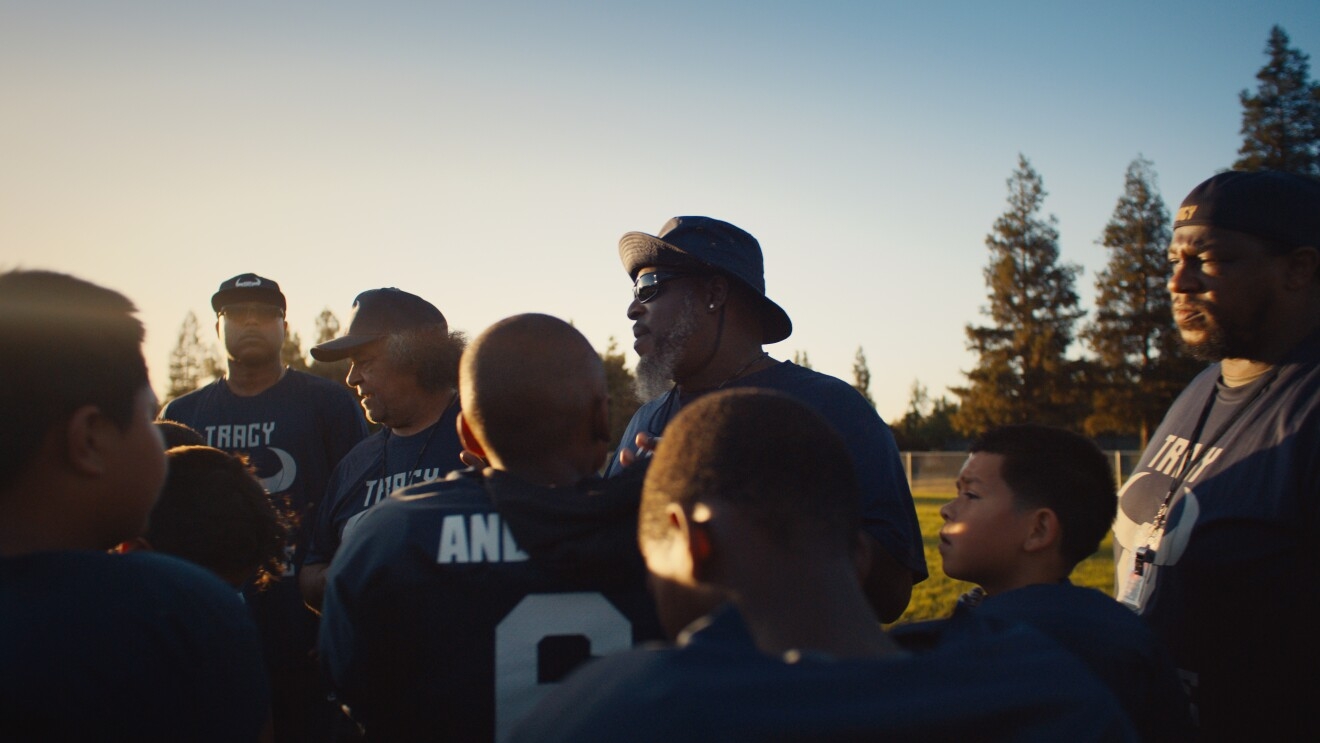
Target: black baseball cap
point(376, 314)
point(702, 242)
point(1278, 206)
point(248, 287)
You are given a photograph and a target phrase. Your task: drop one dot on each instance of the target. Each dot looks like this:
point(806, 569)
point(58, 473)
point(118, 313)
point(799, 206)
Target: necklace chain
point(743, 368)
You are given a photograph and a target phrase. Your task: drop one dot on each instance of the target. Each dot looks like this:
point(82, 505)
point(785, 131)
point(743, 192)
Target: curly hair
point(431, 352)
point(214, 512)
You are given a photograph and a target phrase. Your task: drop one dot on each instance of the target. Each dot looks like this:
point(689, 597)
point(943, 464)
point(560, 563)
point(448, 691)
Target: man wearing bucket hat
point(700, 318)
point(1216, 534)
point(404, 364)
point(294, 428)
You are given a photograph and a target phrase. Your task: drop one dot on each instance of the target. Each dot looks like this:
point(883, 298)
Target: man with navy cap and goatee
point(1217, 528)
point(700, 318)
point(294, 428)
point(404, 365)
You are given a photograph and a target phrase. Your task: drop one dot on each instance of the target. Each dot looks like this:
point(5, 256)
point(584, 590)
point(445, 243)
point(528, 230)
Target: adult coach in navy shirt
point(454, 605)
point(700, 318)
point(294, 428)
point(405, 368)
point(750, 505)
point(98, 646)
point(1217, 532)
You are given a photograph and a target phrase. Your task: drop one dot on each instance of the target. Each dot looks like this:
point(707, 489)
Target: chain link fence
point(937, 471)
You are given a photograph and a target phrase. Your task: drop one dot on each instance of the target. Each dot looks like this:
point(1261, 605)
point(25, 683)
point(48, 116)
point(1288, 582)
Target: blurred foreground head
point(754, 460)
point(78, 440)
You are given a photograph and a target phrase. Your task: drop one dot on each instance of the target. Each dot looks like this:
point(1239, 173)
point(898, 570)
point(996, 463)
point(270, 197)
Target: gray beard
point(655, 371)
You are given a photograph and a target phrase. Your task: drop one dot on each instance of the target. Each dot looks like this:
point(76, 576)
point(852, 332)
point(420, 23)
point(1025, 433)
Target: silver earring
point(712, 306)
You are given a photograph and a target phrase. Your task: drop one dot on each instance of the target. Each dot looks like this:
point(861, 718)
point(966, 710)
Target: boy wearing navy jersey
point(1032, 502)
point(452, 606)
point(100, 646)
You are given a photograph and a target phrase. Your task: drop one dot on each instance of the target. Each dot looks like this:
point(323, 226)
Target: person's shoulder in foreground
point(139, 646)
point(1000, 681)
point(748, 525)
point(100, 646)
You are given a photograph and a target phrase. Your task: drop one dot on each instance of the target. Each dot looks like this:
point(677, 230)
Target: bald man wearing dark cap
point(1216, 535)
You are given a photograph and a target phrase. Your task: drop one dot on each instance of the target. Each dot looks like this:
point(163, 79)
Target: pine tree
point(1139, 366)
point(800, 358)
point(1281, 122)
point(192, 362)
point(1022, 373)
point(862, 376)
point(619, 382)
point(327, 328)
point(291, 353)
point(928, 424)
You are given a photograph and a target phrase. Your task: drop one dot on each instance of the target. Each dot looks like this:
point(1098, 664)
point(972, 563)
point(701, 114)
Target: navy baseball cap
point(248, 287)
point(702, 242)
point(376, 314)
point(1278, 206)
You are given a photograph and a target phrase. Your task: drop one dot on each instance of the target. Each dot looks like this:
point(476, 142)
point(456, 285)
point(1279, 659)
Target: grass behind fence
point(934, 597)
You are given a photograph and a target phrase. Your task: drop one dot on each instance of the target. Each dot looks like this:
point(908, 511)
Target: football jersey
point(454, 605)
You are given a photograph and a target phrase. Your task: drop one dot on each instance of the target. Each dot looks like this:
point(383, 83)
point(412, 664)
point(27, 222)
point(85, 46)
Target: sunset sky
point(488, 156)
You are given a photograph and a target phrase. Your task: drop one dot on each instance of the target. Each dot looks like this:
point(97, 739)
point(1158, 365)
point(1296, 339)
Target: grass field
point(935, 597)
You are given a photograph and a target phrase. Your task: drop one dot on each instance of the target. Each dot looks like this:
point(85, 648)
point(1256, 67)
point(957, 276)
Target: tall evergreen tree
point(291, 352)
point(927, 425)
point(800, 358)
point(327, 328)
point(1139, 365)
point(1022, 373)
point(192, 362)
point(623, 395)
point(1281, 121)
point(862, 376)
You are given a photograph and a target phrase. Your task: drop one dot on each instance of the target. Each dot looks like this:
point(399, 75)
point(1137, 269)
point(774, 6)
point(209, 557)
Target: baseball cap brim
point(342, 347)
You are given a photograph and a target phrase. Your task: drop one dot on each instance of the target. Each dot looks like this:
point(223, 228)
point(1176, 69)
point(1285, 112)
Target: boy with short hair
point(98, 646)
point(1034, 501)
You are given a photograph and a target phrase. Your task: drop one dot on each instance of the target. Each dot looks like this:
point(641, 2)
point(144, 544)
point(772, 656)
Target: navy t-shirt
point(294, 434)
point(141, 646)
point(996, 682)
point(454, 605)
point(888, 513)
point(1113, 642)
point(382, 463)
point(1228, 589)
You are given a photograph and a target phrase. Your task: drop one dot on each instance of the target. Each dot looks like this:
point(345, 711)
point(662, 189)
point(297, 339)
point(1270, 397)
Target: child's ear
point(1044, 531)
point(471, 445)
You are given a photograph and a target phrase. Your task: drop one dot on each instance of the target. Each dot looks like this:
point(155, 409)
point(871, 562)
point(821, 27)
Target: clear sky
point(488, 156)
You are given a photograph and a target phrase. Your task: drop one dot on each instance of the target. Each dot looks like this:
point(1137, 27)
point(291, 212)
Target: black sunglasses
point(241, 312)
point(647, 286)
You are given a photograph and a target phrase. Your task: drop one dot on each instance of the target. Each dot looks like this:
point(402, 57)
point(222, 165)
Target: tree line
point(1023, 372)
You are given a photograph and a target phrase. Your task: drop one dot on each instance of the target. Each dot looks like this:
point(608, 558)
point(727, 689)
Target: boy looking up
point(1033, 502)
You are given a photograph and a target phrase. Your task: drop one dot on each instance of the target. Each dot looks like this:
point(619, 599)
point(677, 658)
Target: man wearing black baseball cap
point(294, 428)
point(1216, 534)
point(404, 364)
point(700, 318)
